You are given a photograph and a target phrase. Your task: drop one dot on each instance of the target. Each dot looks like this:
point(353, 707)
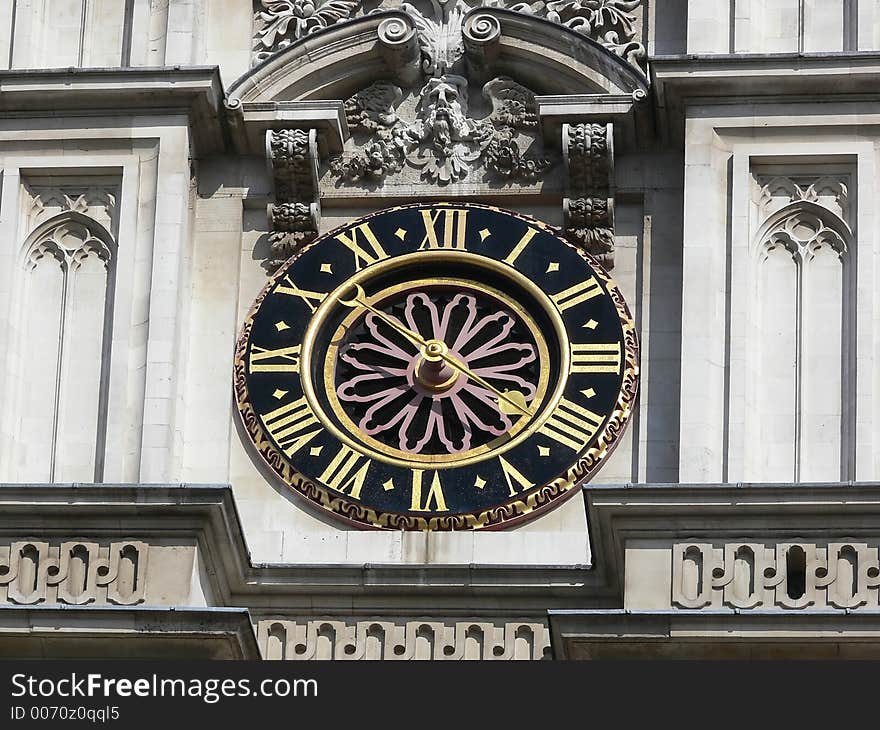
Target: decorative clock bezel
point(514, 511)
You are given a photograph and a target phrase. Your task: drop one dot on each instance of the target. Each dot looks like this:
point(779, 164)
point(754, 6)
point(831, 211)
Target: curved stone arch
point(802, 228)
point(347, 56)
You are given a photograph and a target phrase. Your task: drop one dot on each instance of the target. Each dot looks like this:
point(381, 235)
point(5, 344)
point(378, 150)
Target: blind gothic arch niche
point(63, 351)
point(800, 392)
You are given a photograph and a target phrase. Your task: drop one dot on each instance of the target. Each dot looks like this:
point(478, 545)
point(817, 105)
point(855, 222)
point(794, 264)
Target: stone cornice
point(728, 634)
point(207, 515)
point(120, 633)
point(681, 80)
point(194, 90)
point(674, 512)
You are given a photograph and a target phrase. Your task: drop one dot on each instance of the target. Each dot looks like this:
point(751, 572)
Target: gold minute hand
point(521, 407)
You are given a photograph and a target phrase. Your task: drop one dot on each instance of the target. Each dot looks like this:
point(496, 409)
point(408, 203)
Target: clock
point(437, 367)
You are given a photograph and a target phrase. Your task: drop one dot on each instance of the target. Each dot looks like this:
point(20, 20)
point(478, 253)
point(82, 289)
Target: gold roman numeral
point(307, 296)
point(435, 494)
point(292, 426)
point(512, 474)
point(520, 246)
point(370, 253)
point(578, 293)
point(347, 472)
point(596, 358)
point(286, 360)
point(444, 228)
point(572, 425)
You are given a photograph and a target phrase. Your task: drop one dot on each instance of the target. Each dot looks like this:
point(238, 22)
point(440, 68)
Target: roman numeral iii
point(596, 358)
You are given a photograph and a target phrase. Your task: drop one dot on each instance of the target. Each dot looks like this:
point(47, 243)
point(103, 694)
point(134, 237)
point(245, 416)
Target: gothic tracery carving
point(69, 243)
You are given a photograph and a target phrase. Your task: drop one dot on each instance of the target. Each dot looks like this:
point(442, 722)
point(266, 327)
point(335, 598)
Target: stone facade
point(159, 159)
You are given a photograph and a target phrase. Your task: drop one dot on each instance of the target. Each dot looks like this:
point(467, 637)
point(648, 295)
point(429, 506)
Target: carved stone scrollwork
point(746, 575)
point(482, 39)
point(588, 209)
point(399, 43)
point(74, 572)
point(295, 215)
point(615, 24)
point(279, 23)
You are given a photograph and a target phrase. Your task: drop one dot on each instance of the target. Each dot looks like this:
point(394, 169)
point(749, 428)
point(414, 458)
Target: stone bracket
point(588, 206)
point(294, 217)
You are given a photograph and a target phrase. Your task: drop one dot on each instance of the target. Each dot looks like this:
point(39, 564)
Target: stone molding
point(196, 92)
point(403, 639)
point(75, 572)
point(721, 634)
point(126, 632)
point(669, 515)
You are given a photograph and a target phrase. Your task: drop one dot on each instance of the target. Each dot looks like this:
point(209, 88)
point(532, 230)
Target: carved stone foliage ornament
point(442, 140)
point(613, 23)
point(589, 206)
point(437, 367)
point(295, 214)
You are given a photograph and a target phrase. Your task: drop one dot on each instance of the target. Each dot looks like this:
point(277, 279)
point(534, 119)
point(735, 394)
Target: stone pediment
point(440, 98)
point(342, 53)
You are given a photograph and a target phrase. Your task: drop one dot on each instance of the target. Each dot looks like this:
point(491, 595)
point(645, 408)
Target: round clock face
point(437, 366)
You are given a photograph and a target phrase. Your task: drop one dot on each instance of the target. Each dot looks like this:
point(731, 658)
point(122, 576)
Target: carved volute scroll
point(588, 208)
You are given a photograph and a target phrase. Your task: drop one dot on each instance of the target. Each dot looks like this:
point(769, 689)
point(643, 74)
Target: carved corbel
point(588, 208)
point(399, 46)
point(295, 215)
point(482, 39)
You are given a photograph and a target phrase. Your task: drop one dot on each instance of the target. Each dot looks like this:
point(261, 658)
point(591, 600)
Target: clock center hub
point(432, 371)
